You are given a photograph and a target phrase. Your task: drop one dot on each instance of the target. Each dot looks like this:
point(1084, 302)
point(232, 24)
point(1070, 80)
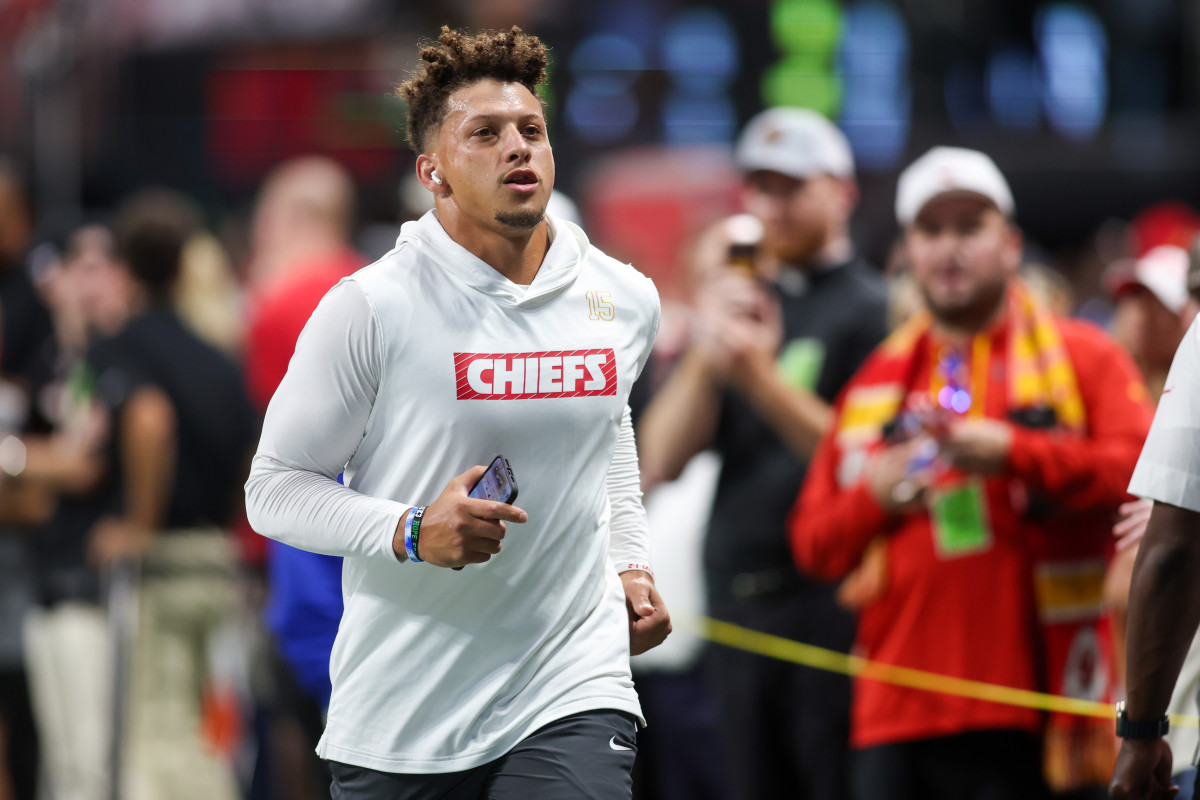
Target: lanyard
point(946, 380)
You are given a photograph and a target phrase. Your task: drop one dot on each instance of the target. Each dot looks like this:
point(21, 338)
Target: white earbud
point(436, 178)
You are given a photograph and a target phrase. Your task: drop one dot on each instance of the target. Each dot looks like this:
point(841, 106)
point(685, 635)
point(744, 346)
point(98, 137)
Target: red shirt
point(280, 313)
point(972, 615)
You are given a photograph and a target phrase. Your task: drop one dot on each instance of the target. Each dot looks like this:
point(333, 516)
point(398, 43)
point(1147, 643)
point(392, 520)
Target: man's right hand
point(890, 480)
point(736, 321)
point(1143, 771)
point(458, 530)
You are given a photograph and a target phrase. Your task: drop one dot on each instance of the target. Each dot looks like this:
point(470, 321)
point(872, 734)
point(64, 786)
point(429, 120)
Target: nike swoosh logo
point(1168, 390)
point(613, 744)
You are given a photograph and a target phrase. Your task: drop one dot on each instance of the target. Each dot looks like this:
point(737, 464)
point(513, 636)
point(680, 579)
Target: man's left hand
point(649, 622)
point(977, 445)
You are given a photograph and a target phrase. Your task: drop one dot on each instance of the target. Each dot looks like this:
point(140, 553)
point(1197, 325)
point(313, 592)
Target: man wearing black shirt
point(767, 359)
point(24, 325)
point(183, 431)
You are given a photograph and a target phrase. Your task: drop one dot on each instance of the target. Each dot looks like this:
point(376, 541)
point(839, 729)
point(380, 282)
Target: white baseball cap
point(796, 142)
point(1163, 271)
point(950, 170)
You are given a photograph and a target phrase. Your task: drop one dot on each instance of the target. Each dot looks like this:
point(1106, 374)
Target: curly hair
point(456, 60)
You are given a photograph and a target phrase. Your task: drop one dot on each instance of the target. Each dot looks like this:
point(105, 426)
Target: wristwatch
point(1128, 729)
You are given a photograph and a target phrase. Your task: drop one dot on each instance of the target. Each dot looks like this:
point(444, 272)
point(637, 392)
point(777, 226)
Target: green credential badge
point(960, 521)
point(801, 361)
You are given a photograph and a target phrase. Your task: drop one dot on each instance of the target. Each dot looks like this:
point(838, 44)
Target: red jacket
point(975, 615)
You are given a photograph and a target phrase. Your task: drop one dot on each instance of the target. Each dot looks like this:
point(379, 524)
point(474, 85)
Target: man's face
point(799, 216)
point(1151, 330)
point(494, 157)
point(102, 287)
point(963, 253)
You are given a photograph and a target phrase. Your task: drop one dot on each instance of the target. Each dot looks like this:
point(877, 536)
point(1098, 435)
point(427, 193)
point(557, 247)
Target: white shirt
point(410, 371)
point(1168, 471)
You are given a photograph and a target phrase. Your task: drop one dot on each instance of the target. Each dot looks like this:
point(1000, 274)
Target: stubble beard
point(799, 248)
point(521, 220)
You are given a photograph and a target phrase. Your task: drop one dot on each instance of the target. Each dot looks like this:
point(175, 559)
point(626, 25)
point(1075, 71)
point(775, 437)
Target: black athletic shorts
point(586, 756)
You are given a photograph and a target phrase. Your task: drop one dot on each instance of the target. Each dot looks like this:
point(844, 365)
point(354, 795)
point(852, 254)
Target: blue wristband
point(412, 533)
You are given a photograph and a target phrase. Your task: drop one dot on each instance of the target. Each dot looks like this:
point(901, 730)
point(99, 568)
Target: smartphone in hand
point(498, 484)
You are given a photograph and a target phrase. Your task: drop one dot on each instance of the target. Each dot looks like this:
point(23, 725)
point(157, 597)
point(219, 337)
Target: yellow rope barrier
point(764, 644)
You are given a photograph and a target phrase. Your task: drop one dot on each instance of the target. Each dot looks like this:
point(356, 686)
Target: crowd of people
point(926, 465)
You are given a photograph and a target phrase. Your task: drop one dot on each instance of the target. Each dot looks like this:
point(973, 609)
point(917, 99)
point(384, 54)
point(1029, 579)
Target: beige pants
point(68, 659)
point(188, 591)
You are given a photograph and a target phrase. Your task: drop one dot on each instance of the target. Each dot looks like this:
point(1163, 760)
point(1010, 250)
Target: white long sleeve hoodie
point(409, 372)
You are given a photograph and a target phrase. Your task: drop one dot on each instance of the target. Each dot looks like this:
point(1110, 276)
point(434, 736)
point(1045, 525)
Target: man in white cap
point(768, 357)
point(975, 462)
point(1154, 310)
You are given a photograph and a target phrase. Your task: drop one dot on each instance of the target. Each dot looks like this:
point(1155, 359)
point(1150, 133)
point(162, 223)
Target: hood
point(563, 261)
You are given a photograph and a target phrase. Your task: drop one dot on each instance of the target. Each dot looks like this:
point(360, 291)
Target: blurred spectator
point(183, 430)
point(1049, 286)
point(1153, 310)
point(24, 326)
point(26, 323)
point(67, 640)
point(678, 754)
point(766, 358)
point(206, 298)
point(978, 455)
point(301, 249)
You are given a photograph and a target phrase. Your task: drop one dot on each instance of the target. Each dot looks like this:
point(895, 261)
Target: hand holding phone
point(498, 484)
point(457, 528)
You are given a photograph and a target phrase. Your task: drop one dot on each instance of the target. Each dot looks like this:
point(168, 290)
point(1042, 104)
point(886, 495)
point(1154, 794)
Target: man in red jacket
point(976, 460)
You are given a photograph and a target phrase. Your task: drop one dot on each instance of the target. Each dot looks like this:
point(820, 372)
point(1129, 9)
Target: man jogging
point(489, 329)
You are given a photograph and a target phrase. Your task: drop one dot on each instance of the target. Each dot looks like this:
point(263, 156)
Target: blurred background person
point(67, 637)
point(302, 226)
point(24, 328)
point(1153, 312)
point(25, 325)
point(207, 296)
point(679, 756)
point(979, 453)
point(183, 430)
point(766, 359)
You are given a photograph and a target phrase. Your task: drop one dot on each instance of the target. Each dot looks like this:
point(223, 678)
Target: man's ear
point(429, 176)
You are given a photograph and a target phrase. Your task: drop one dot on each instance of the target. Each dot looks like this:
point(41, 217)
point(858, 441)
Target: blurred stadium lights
point(807, 33)
point(602, 107)
point(963, 88)
point(207, 99)
point(700, 55)
point(1014, 88)
point(700, 50)
point(876, 96)
point(1074, 52)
